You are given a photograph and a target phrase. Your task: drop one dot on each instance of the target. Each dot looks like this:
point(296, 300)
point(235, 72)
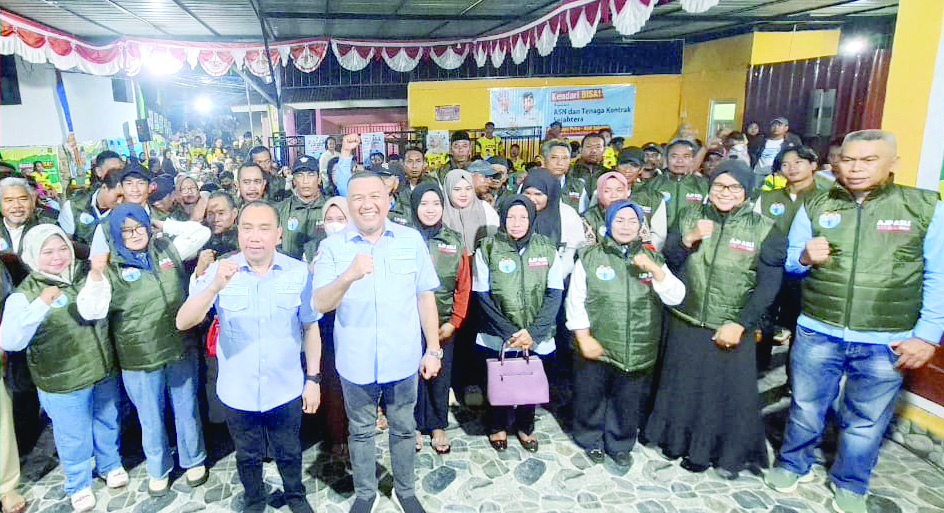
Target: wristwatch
point(314, 379)
point(437, 354)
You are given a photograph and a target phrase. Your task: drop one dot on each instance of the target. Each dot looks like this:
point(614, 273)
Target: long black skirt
point(707, 406)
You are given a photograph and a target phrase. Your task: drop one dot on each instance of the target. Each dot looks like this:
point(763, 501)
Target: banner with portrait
point(580, 109)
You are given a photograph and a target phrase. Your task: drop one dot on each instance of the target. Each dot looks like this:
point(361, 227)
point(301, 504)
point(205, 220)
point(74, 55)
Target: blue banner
point(580, 109)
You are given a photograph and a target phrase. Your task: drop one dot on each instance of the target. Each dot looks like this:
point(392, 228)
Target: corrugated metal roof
point(202, 19)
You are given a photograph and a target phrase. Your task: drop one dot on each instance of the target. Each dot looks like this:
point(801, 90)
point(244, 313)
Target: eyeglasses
point(733, 188)
point(137, 230)
point(189, 190)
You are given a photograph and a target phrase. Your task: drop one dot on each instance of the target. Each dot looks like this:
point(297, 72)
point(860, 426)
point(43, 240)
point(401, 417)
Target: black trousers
point(511, 418)
point(432, 399)
point(609, 405)
point(250, 429)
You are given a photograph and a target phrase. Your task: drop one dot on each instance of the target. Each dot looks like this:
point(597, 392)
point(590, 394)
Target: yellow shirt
point(774, 181)
point(435, 160)
point(487, 146)
point(197, 151)
point(609, 157)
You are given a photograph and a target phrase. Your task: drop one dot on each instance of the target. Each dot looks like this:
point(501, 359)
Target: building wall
point(657, 101)
point(714, 70)
point(38, 120)
point(771, 47)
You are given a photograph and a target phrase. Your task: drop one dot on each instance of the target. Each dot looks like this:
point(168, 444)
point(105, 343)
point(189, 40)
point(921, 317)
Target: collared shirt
point(261, 332)
point(16, 235)
point(377, 334)
point(930, 325)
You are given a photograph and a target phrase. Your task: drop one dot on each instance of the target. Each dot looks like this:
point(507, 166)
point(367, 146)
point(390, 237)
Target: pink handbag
point(516, 381)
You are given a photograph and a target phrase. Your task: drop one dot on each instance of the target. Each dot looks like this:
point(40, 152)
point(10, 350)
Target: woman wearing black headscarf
point(555, 220)
point(452, 263)
point(730, 258)
point(518, 282)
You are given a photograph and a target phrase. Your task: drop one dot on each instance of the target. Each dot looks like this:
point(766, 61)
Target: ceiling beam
point(77, 15)
point(356, 16)
point(196, 18)
point(526, 15)
point(121, 8)
point(799, 18)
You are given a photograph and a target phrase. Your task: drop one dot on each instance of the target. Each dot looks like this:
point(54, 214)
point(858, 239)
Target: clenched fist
point(224, 273)
point(362, 265)
point(349, 144)
point(99, 262)
point(702, 230)
point(50, 294)
point(816, 251)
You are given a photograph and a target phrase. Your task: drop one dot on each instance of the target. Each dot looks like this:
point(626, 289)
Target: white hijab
point(33, 242)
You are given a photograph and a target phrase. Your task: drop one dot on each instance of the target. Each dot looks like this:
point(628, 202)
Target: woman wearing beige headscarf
point(464, 212)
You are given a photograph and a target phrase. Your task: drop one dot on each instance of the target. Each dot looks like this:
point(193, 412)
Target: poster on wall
point(372, 142)
point(24, 158)
point(315, 145)
point(580, 109)
point(437, 141)
point(447, 113)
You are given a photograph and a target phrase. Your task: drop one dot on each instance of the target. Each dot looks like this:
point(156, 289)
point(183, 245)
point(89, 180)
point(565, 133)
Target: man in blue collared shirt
point(263, 300)
point(380, 278)
point(873, 303)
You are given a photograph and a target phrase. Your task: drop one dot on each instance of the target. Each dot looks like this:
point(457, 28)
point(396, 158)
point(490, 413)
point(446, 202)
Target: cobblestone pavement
point(558, 478)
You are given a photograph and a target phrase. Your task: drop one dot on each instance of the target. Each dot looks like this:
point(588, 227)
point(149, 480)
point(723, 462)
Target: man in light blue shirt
point(380, 278)
point(263, 300)
point(873, 303)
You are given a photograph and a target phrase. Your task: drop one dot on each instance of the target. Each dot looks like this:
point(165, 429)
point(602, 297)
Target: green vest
point(595, 216)
point(144, 306)
point(874, 276)
point(6, 242)
point(225, 243)
point(400, 212)
point(177, 213)
point(721, 271)
point(779, 206)
point(446, 251)
point(83, 216)
point(572, 190)
point(67, 353)
point(518, 282)
point(300, 221)
point(678, 192)
point(587, 172)
point(625, 313)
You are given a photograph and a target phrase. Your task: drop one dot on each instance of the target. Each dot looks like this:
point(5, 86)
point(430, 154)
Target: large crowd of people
point(650, 282)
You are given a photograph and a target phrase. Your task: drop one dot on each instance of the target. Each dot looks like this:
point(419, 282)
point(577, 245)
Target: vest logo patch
point(645, 277)
point(893, 225)
point(646, 210)
point(694, 196)
point(606, 273)
point(602, 230)
point(667, 196)
point(60, 301)
point(4, 245)
point(165, 263)
point(573, 195)
point(830, 219)
point(292, 224)
point(777, 209)
point(131, 274)
point(86, 218)
point(400, 220)
point(537, 262)
point(447, 248)
point(507, 265)
point(743, 245)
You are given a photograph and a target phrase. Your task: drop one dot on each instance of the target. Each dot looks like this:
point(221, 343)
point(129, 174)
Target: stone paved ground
point(476, 479)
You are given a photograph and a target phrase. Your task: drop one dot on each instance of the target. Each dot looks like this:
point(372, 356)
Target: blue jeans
point(360, 402)
point(146, 391)
point(818, 362)
point(85, 424)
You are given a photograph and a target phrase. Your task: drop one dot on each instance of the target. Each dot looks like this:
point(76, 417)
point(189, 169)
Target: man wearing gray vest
point(873, 304)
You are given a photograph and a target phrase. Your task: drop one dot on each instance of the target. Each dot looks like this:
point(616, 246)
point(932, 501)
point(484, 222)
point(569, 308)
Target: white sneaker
point(83, 500)
point(196, 476)
point(117, 478)
point(158, 486)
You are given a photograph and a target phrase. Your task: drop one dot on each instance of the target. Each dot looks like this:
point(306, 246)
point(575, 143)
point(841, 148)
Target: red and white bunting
point(37, 43)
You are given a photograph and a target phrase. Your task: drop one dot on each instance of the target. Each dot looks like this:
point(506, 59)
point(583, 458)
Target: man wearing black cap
point(300, 213)
point(499, 185)
point(778, 137)
point(136, 185)
point(652, 166)
point(482, 176)
point(164, 201)
point(680, 186)
point(460, 153)
point(400, 210)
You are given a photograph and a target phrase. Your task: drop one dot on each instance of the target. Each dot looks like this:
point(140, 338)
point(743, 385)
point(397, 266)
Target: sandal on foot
point(13, 502)
point(441, 447)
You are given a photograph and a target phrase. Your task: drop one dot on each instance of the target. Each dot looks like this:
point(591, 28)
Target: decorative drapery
point(37, 43)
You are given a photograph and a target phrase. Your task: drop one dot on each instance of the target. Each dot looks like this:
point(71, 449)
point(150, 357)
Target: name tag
point(694, 196)
point(165, 263)
point(743, 245)
point(537, 262)
point(447, 248)
point(893, 225)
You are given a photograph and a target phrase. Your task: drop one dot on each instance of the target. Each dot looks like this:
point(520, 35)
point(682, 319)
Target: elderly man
point(679, 186)
point(18, 208)
point(380, 279)
point(263, 299)
point(872, 305)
